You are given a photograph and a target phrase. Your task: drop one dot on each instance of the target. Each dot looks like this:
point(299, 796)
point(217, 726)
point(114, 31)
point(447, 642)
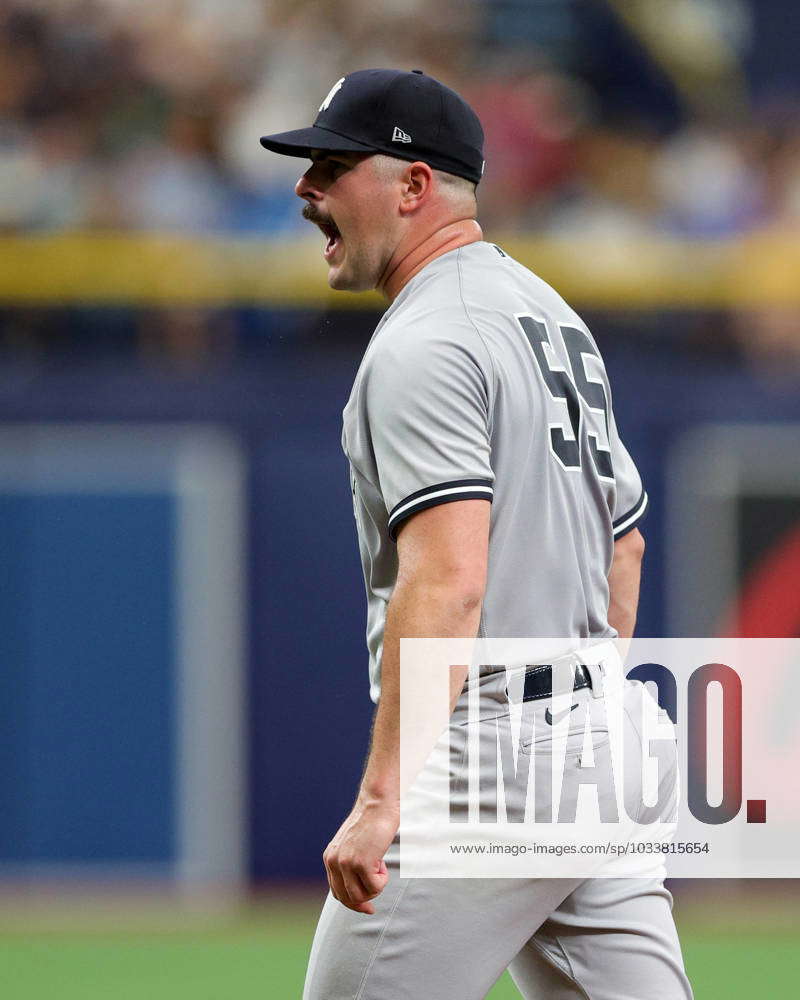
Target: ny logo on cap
point(331, 94)
point(400, 136)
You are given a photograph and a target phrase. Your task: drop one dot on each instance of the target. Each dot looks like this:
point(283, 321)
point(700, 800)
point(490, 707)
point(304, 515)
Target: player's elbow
point(456, 591)
point(469, 593)
point(461, 588)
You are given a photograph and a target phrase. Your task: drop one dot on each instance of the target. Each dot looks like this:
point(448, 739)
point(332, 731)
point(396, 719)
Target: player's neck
point(408, 261)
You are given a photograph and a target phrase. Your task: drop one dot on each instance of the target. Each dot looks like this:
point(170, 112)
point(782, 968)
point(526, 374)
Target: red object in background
point(528, 131)
point(769, 602)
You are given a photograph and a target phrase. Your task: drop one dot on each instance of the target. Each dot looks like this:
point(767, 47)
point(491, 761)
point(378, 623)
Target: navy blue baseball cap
point(407, 115)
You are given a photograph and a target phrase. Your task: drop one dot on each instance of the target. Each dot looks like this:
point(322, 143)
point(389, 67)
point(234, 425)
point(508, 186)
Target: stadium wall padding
point(308, 709)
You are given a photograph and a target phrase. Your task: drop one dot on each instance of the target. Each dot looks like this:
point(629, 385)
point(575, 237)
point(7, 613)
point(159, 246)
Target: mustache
point(312, 215)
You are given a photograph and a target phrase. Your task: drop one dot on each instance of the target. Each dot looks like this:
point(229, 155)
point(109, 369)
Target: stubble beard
point(359, 272)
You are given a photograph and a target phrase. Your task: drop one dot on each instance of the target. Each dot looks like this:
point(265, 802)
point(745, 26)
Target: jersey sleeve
point(630, 498)
point(428, 412)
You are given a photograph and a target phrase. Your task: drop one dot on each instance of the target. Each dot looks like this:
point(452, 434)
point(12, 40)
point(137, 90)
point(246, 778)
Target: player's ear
point(417, 181)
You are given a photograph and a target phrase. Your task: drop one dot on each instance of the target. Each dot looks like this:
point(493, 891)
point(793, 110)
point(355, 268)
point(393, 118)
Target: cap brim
point(301, 141)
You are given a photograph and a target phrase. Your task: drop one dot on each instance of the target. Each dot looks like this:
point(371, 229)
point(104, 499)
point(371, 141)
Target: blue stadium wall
point(308, 710)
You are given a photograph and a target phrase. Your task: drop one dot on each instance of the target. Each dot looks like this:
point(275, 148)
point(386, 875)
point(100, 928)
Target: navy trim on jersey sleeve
point(430, 496)
point(628, 521)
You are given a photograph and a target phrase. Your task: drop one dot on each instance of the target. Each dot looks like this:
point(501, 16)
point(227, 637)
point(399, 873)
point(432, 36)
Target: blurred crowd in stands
point(128, 115)
point(123, 114)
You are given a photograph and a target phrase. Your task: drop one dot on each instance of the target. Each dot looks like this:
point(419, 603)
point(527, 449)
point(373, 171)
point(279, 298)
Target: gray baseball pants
point(451, 939)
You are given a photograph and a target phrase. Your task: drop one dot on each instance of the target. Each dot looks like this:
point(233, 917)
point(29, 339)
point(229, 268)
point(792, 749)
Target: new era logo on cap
point(400, 136)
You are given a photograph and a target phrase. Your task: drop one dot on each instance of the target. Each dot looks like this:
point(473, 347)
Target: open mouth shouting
point(333, 238)
point(328, 228)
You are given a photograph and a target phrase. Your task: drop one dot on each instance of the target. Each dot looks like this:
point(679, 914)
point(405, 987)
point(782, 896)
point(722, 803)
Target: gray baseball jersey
point(481, 382)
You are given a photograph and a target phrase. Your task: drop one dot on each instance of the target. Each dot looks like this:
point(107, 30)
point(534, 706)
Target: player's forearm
point(623, 583)
point(416, 609)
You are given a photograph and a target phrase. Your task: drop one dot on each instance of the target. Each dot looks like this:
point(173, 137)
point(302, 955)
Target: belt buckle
point(596, 672)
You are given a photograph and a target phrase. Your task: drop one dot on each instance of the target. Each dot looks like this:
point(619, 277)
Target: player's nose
point(304, 188)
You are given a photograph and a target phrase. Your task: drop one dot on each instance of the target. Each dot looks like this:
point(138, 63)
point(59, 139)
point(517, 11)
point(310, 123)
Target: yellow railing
point(176, 270)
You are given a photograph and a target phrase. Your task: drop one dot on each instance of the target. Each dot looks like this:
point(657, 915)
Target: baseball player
point(492, 497)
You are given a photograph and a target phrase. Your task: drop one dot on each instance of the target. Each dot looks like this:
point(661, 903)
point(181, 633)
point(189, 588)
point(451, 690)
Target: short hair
point(455, 187)
point(461, 184)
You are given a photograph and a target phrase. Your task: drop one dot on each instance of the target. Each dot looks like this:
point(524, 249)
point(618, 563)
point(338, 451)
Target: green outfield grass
point(263, 955)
